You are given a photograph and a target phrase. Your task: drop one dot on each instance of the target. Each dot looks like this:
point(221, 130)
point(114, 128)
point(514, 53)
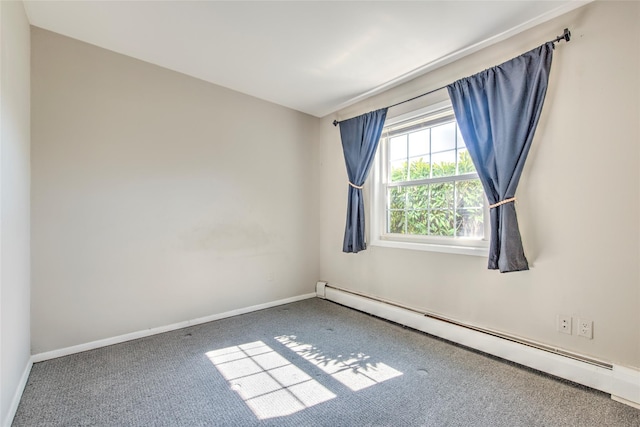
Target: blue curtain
point(360, 136)
point(498, 111)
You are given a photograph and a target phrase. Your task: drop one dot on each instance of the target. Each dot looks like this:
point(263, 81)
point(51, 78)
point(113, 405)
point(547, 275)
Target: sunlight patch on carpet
point(355, 370)
point(269, 384)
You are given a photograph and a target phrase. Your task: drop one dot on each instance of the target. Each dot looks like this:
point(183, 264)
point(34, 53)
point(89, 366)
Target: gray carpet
point(310, 363)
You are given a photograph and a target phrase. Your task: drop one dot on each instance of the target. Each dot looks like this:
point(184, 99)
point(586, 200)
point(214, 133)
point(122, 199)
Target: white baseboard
point(18, 395)
point(626, 385)
point(622, 383)
point(153, 331)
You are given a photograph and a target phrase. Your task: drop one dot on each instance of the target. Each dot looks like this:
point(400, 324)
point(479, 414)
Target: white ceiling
point(314, 57)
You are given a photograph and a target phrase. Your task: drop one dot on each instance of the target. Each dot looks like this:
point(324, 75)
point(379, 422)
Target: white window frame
point(378, 190)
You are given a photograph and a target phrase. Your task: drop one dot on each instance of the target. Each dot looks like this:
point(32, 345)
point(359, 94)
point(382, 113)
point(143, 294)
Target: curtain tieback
point(495, 205)
point(359, 187)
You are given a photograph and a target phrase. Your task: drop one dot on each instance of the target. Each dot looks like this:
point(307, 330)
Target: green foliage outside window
point(452, 208)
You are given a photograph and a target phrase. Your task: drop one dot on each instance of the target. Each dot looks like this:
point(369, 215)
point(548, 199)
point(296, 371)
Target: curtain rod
point(566, 36)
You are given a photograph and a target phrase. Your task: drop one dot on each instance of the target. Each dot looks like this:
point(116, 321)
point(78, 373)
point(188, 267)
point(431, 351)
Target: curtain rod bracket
point(335, 122)
point(566, 36)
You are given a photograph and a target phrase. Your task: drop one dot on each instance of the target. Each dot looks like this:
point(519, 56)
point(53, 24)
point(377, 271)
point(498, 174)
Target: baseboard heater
point(558, 362)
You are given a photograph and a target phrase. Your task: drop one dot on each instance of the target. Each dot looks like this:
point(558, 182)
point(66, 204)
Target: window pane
point(461, 143)
point(419, 168)
point(396, 221)
point(469, 208)
point(441, 222)
point(469, 223)
point(465, 165)
point(443, 137)
point(397, 198)
point(419, 143)
point(418, 197)
point(417, 222)
point(398, 148)
point(469, 194)
point(398, 171)
point(443, 163)
point(441, 196)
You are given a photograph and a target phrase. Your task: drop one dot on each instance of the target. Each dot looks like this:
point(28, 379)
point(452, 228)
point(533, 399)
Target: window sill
point(480, 249)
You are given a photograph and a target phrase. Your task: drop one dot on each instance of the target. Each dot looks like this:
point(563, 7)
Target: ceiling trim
point(454, 56)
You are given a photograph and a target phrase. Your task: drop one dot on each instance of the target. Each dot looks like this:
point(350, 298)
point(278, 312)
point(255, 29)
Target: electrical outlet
point(564, 324)
point(585, 328)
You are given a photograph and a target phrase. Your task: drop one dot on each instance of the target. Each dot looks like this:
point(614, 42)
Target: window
point(427, 194)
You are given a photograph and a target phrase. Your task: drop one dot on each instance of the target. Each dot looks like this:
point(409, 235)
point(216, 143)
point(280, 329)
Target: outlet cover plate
point(585, 328)
point(564, 324)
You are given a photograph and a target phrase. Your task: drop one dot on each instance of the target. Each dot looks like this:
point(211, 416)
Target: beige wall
point(578, 199)
point(159, 198)
point(14, 202)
